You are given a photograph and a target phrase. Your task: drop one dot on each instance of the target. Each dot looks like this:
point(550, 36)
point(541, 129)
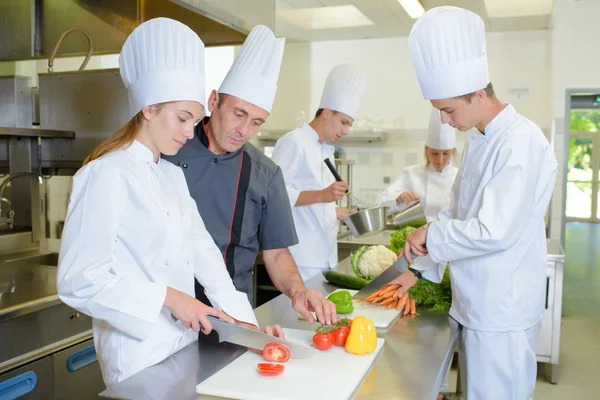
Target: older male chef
point(240, 192)
point(493, 236)
point(311, 186)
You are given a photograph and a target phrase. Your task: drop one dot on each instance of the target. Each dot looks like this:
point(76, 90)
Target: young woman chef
point(133, 240)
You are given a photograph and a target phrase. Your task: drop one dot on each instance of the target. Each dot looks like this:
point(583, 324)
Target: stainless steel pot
point(365, 222)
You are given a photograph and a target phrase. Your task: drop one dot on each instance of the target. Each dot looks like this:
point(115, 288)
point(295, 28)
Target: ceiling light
point(517, 8)
point(412, 7)
point(325, 17)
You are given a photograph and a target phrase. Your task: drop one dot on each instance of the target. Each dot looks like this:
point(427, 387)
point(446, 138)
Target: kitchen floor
point(579, 343)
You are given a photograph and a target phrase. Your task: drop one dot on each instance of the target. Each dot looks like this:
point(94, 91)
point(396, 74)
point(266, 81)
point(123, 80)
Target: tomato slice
point(276, 352)
point(268, 369)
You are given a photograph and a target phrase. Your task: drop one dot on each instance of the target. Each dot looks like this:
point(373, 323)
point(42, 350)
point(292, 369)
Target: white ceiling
point(390, 20)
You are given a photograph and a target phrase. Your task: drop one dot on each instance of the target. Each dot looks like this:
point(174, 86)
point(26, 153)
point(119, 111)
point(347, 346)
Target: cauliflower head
point(375, 260)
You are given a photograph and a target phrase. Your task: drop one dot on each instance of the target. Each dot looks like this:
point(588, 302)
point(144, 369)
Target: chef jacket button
point(188, 262)
point(182, 213)
point(166, 263)
point(184, 165)
point(215, 160)
point(168, 212)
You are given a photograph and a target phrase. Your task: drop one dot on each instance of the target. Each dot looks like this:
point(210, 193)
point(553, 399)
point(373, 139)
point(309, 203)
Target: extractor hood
point(31, 28)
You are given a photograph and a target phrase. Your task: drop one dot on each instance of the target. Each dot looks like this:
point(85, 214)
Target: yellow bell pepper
point(362, 338)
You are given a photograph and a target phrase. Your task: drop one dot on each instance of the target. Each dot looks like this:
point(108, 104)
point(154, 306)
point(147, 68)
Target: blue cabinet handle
point(18, 386)
point(81, 358)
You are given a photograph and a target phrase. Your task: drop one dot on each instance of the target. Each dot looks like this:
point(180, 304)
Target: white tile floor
point(578, 374)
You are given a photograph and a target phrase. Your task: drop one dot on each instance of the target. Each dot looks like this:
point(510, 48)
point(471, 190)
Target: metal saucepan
point(413, 215)
point(364, 222)
point(368, 221)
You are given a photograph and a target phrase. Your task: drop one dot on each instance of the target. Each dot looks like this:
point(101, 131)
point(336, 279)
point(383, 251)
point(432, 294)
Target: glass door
point(583, 166)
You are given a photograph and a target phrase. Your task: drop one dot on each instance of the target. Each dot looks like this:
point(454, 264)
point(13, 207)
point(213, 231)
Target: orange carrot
point(413, 307)
point(374, 295)
point(402, 302)
point(387, 301)
point(393, 303)
point(407, 306)
point(389, 288)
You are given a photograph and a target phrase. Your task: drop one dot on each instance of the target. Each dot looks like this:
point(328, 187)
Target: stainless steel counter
point(411, 366)
point(26, 288)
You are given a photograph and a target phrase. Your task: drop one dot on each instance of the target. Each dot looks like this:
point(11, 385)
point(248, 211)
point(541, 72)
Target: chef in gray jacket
point(240, 192)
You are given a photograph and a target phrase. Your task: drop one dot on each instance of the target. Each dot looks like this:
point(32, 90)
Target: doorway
point(583, 166)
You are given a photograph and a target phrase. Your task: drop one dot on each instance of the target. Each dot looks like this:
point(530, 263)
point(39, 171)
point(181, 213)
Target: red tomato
point(270, 369)
point(276, 352)
point(323, 341)
point(340, 335)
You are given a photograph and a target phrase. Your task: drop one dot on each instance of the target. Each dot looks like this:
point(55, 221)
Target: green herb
point(425, 293)
point(398, 239)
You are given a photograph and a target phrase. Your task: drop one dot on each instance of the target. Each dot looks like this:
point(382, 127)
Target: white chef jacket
point(132, 229)
point(432, 187)
point(302, 160)
point(494, 235)
point(434, 190)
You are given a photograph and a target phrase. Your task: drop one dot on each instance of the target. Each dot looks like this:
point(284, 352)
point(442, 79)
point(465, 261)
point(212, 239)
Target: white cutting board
point(332, 374)
point(381, 317)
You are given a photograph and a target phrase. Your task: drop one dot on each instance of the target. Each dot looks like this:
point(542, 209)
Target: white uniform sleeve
point(388, 197)
point(288, 155)
point(86, 279)
point(508, 200)
point(211, 272)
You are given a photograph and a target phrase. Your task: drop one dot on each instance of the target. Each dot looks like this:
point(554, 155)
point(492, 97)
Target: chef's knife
point(256, 339)
point(399, 267)
point(334, 172)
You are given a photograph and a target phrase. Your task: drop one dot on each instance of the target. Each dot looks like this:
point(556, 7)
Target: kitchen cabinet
point(29, 382)
point(77, 372)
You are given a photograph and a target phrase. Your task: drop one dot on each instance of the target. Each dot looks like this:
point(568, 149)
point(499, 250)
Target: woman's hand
point(191, 312)
point(407, 197)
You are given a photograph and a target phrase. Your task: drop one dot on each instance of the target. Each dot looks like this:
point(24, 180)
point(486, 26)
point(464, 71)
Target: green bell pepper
point(343, 301)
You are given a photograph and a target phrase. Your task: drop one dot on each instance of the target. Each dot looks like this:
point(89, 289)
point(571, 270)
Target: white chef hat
point(344, 90)
point(440, 136)
point(447, 47)
point(162, 60)
point(253, 75)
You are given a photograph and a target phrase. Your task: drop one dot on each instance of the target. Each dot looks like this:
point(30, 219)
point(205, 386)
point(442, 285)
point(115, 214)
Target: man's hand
point(309, 300)
point(415, 242)
point(334, 192)
point(341, 213)
point(406, 281)
point(407, 197)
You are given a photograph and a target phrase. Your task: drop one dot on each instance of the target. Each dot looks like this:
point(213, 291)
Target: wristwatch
point(416, 272)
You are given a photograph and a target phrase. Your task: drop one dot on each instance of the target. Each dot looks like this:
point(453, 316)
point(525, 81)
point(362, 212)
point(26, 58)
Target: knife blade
point(256, 339)
point(395, 270)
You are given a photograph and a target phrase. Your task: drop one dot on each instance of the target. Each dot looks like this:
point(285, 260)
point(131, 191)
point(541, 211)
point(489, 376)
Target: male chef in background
point(493, 235)
point(311, 187)
point(240, 193)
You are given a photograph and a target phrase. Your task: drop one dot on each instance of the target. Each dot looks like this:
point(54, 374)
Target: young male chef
point(240, 192)
point(493, 235)
point(311, 187)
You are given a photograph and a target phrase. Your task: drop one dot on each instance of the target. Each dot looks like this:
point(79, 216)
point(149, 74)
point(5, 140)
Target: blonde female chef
point(133, 240)
point(431, 183)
